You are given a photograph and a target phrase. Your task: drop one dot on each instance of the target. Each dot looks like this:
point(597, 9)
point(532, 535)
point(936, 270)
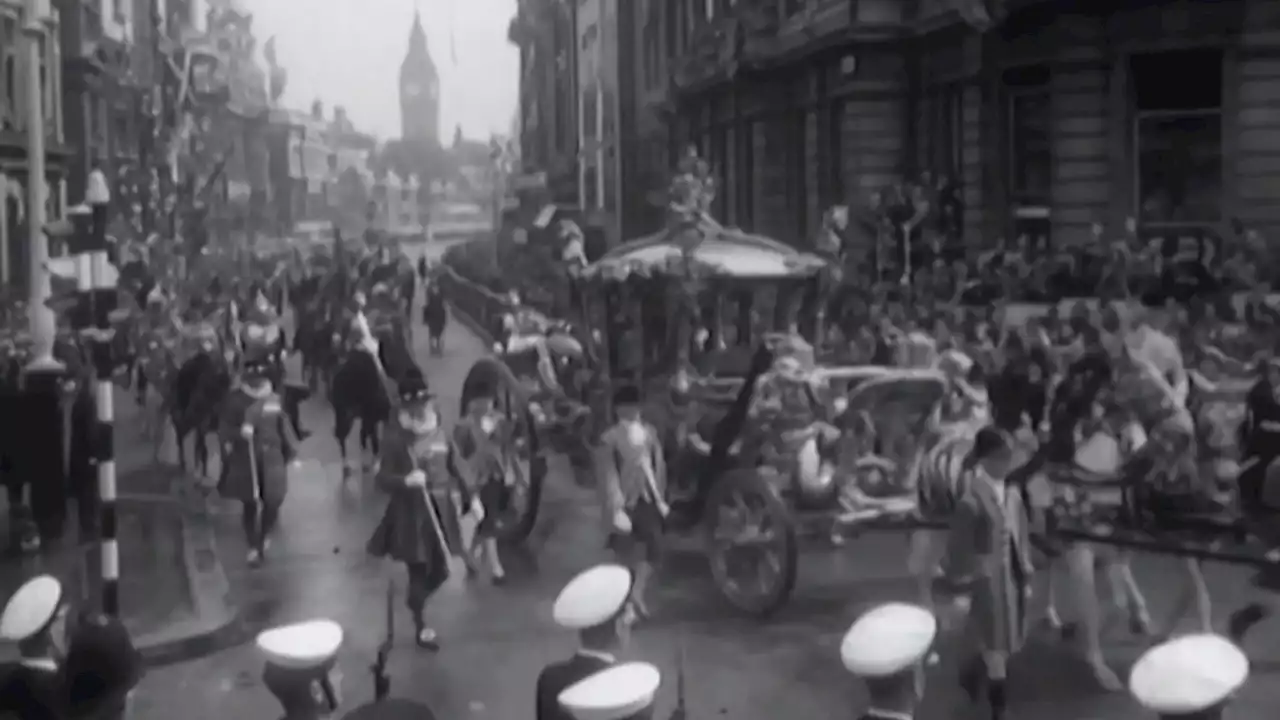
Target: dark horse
point(317, 339)
point(362, 390)
point(200, 387)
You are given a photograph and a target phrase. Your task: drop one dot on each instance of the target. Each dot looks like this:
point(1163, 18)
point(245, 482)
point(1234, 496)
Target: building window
point(1030, 154)
point(590, 178)
point(746, 175)
point(1177, 135)
point(9, 39)
point(590, 108)
point(944, 141)
point(831, 155)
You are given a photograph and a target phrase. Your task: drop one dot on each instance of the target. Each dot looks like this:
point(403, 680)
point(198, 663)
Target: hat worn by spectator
point(102, 665)
point(617, 693)
point(592, 597)
point(888, 640)
point(1187, 675)
point(302, 645)
point(297, 656)
point(31, 608)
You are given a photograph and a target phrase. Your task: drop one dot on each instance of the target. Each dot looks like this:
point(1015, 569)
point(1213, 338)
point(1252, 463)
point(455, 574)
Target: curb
point(215, 621)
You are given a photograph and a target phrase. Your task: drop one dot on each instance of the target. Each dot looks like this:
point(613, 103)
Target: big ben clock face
point(411, 89)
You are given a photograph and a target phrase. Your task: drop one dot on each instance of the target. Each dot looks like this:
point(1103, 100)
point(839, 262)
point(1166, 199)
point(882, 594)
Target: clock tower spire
point(419, 89)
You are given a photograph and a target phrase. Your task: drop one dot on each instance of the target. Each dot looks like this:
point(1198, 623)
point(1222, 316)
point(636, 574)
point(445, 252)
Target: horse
point(200, 387)
point(359, 392)
point(317, 339)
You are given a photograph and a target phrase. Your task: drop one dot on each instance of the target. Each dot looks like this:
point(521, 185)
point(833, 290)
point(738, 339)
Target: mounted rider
point(261, 336)
point(522, 327)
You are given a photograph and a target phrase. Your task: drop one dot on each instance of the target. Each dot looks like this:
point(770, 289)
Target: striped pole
point(104, 277)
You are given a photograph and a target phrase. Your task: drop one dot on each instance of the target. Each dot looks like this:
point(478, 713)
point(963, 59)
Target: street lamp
point(42, 321)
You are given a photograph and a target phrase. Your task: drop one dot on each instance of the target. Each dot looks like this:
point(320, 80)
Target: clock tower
point(419, 90)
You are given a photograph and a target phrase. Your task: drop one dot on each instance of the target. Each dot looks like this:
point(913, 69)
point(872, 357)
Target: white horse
point(1103, 454)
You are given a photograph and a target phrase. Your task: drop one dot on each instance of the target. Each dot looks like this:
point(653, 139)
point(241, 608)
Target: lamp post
point(43, 323)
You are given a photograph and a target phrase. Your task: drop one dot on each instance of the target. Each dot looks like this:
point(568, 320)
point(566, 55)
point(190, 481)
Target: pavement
point(496, 639)
point(165, 592)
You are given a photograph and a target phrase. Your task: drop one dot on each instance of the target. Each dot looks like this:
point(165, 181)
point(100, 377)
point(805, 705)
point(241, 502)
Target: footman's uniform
point(594, 597)
point(887, 647)
point(633, 467)
point(33, 686)
point(301, 667)
point(622, 692)
point(1193, 676)
point(482, 444)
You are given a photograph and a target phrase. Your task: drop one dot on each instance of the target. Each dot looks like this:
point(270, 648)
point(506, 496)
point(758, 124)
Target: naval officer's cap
point(616, 693)
point(888, 640)
point(302, 646)
point(592, 597)
point(31, 608)
point(1189, 674)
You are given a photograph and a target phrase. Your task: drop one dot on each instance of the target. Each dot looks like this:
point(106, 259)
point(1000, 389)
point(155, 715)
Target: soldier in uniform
point(595, 603)
point(258, 447)
point(101, 669)
point(634, 485)
point(301, 668)
point(1260, 469)
point(481, 438)
point(261, 335)
point(420, 527)
point(888, 647)
point(1193, 676)
point(988, 562)
point(622, 692)
point(34, 619)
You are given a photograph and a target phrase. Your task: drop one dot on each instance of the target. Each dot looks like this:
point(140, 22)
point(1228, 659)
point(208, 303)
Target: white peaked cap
point(302, 645)
point(31, 608)
point(592, 597)
point(888, 640)
point(615, 693)
point(1188, 674)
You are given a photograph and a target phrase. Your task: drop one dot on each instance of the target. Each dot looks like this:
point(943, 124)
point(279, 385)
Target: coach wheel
point(526, 471)
point(526, 463)
point(751, 542)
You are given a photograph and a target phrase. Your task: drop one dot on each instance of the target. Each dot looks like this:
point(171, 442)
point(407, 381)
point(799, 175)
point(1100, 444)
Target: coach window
point(1177, 137)
point(1029, 154)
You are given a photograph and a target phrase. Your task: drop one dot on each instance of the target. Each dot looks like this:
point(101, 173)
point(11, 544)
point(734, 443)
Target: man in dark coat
point(1260, 441)
point(597, 605)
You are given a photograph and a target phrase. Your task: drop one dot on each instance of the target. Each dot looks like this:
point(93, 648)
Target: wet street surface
point(496, 639)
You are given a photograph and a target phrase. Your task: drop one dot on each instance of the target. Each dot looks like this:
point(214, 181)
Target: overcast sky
point(348, 52)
